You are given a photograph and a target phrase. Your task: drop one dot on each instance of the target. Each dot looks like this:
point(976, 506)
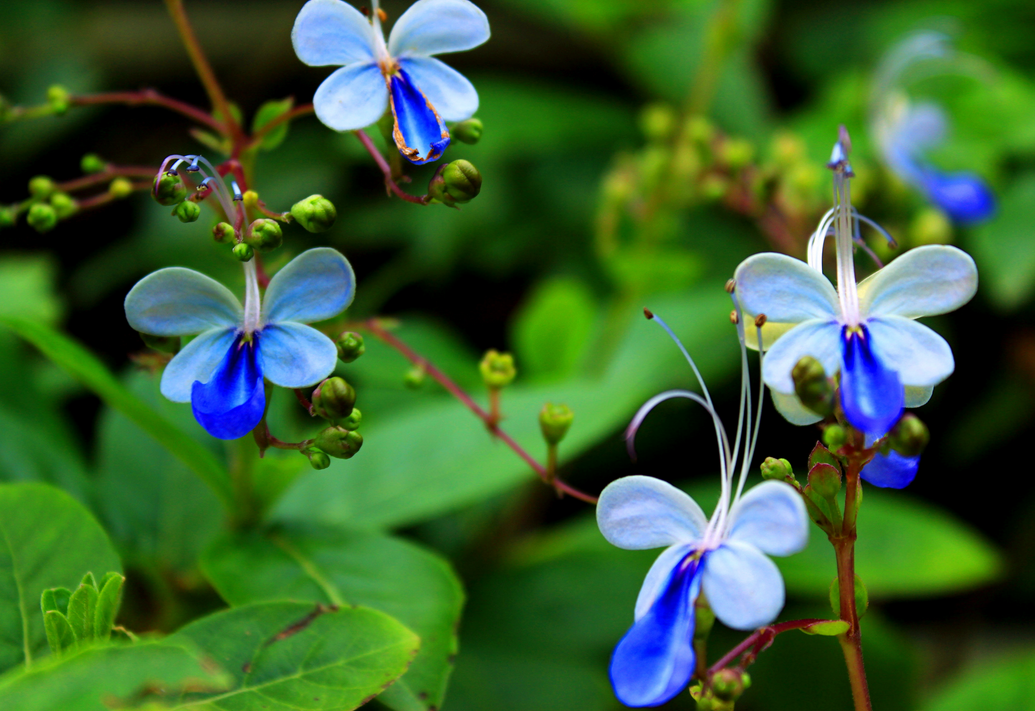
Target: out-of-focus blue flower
point(867, 332)
point(221, 371)
point(724, 557)
point(891, 470)
point(401, 74)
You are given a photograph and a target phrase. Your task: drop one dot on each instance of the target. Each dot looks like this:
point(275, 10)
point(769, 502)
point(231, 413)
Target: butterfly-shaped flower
point(221, 371)
point(401, 74)
point(724, 557)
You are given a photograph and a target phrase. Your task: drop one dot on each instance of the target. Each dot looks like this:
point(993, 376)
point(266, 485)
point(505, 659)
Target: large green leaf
point(1006, 685)
point(551, 332)
point(85, 367)
point(96, 679)
point(284, 656)
point(339, 567)
point(1003, 247)
point(47, 540)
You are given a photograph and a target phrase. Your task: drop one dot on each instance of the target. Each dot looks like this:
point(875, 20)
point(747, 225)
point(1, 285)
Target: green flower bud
point(163, 344)
point(187, 211)
point(714, 187)
point(657, 122)
point(92, 163)
point(316, 213)
point(317, 460)
point(812, 386)
point(737, 153)
point(222, 232)
point(700, 129)
point(8, 216)
point(825, 480)
point(414, 377)
point(120, 188)
point(334, 399)
point(350, 347)
point(41, 186)
point(834, 436)
point(437, 189)
point(264, 235)
point(42, 217)
point(497, 369)
point(169, 189)
point(463, 181)
point(469, 131)
point(58, 99)
point(243, 252)
point(778, 469)
point(909, 436)
point(862, 597)
point(63, 205)
point(354, 420)
point(931, 226)
point(339, 442)
point(554, 421)
point(727, 684)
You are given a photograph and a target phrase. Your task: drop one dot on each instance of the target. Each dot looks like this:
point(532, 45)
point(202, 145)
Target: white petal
point(925, 281)
point(785, 289)
point(351, 98)
point(744, 588)
point(448, 90)
point(637, 512)
point(197, 361)
point(790, 407)
point(293, 355)
point(820, 339)
point(658, 575)
point(316, 285)
point(772, 518)
point(437, 26)
point(332, 33)
point(919, 355)
point(917, 396)
point(180, 302)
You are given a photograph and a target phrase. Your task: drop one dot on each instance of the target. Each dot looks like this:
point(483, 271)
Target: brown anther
point(382, 15)
point(734, 318)
point(731, 285)
point(648, 313)
point(365, 10)
point(760, 320)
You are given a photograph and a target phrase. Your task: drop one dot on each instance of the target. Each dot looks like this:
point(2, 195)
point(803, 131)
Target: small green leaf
point(827, 628)
point(266, 113)
point(108, 605)
point(82, 609)
point(552, 330)
point(59, 632)
point(55, 599)
point(211, 140)
point(88, 579)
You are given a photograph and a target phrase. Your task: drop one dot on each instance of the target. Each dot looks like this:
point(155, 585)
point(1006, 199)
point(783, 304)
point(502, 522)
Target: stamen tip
point(760, 320)
point(734, 317)
point(648, 313)
point(731, 285)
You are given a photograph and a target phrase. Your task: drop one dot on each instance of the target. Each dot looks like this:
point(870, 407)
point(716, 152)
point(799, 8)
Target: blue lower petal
point(963, 196)
point(655, 659)
point(419, 131)
point(232, 402)
point(891, 470)
point(872, 395)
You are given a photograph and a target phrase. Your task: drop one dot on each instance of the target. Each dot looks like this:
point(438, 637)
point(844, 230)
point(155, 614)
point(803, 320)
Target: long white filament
point(379, 34)
point(251, 298)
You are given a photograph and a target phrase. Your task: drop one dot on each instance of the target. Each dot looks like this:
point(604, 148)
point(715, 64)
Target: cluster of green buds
point(335, 401)
point(74, 620)
point(455, 183)
point(497, 369)
point(721, 692)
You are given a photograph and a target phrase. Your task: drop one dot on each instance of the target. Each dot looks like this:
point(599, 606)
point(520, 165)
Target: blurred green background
point(601, 196)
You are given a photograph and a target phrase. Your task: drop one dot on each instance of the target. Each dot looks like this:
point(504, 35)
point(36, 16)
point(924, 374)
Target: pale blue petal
point(197, 361)
point(449, 91)
point(658, 575)
point(637, 512)
point(438, 26)
point(181, 302)
point(772, 518)
point(231, 403)
point(351, 98)
point(917, 396)
point(928, 280)
point(891, 470)
point(820, 339)
point(316, 285)
point(743, 587)
point(792, 410)
point(872, 395)
point(785, 289)
point(293, 355)
point(332, 33)
point(919, 355)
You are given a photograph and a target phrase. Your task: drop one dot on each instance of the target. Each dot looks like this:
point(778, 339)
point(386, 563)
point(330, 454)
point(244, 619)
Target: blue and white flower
point(724, 557)
point(867, 332)
point(400, 74)
point(221, 372)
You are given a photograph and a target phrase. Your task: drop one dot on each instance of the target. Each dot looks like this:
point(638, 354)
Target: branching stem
point(390, 185)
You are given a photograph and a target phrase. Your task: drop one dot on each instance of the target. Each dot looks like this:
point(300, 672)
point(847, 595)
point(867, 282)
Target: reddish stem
point(105, 198)
point(758, 641)
point(109, 172)
point(390, 185)
point(305, 402)
point(374, 327)
point(153, 98)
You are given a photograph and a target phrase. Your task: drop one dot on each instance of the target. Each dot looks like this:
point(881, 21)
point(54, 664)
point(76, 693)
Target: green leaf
point(56, 599)
point(85, 367)
point(336, 566)
point(296, 655)
point(552, 330)
point(60, 635)
point(1005, 685)
point(100, 678)
point(47, 540)
point(82, 610)
point(108, 605)
point(1003, 248)
point(827, 628)
point(27, 288)
point(266, 113)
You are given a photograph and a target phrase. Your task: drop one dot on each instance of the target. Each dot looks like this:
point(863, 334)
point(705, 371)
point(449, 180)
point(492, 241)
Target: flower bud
point(63, 205)
point(463, 181)
point(187, 211)
point(162, 344)
point(169, 189)
point(243, 252)
point(497, 369)
point(727, 684)
point(700, 129)
point(222, 232)
point(339, 442)
point(250, 199)
point(92, 163)
point(58, 99)
point(41, 186)
point(736, 153)
point(42, 217)
point(825, 480)
point(909, 436)
point(815, 391)
point(315, 213)
point(657, 122)
point(834, 436)
point(334, 399)
point(264, 235)
point(414, 377)
point(469, 131)
point(121, 188)
point(8, 216)
point(714, 187)
point(350, 346)
point(317, 460)
point(554, 421)
point(778, 469)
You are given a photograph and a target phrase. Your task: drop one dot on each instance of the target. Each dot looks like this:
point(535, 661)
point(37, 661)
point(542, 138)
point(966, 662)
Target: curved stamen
point(645, 409)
